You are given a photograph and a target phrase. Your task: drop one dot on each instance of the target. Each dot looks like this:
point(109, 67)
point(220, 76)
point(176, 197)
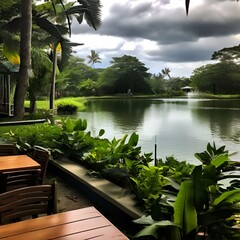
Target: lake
point(179, 127)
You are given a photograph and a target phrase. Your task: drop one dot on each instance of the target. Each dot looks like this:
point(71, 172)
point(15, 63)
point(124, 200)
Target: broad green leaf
point(173, 183)
point(185, 214)
point(148, 231)
point(210, 149)
point(219, 160)
point(230, 196)
point(133, 140)
point(84, 124)
point(146, 220)
point(101, 132)
point(152, 230)
point(69, 125)
point(11, 50)
point(78, 125)
point(200, 194)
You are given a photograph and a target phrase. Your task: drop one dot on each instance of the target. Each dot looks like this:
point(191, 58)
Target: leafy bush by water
point(67, 106)
point(183, 201)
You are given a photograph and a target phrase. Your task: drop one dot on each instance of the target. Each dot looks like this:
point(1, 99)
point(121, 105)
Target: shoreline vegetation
point(168, 191)
point(44, 104)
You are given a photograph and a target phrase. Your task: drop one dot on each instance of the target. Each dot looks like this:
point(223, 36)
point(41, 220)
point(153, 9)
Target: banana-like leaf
point(185, 214)
point(201, 199)
point(219, 160)
point(133, 140)
point(11, 50)
point(229, 196)
point(55, 30)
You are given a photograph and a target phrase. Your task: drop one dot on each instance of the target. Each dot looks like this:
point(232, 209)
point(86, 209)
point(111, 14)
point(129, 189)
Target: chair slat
point(8, 149)
point(42, 156)
point(28, 201)
point(18, 179)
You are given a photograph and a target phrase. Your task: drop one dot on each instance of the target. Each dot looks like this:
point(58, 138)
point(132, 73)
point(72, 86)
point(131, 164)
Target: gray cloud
point(180, 38)
point(169, 26)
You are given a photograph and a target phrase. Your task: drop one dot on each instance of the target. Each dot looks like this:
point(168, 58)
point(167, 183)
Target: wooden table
point(80, 224)
point(17, 162)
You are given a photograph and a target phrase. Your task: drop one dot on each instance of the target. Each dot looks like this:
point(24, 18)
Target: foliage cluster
point(182, 201)
point(125, 73)
point(206, 206)
point(68, 106)
point(219, 78)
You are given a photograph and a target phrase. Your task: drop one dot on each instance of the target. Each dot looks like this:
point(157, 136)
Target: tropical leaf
point(55, 30)
point(11, 50)
point(93, 13)
point(219, 160)
point(201, 199)
point(101, 132)
point(230, 197)
point(133, 140)
point(185, 214)
point(145, 220)
point(153, 230)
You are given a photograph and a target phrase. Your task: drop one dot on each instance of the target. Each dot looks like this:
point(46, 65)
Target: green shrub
point(68, 106)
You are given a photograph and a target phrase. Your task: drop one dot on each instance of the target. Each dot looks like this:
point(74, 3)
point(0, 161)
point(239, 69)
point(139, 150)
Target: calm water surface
point(179, 127)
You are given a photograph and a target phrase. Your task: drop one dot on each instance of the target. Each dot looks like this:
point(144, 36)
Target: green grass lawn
point(44, 104)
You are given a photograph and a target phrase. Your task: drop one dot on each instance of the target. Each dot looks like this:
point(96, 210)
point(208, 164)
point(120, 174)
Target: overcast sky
point(159, 33)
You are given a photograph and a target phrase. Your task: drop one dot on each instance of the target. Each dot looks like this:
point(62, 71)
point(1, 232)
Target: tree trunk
point(33, 103)
point(25, 58)
point(53, 77)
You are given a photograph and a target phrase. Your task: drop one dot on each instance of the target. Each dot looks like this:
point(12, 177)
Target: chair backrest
point(28, 202)
point(42, 156)
point(8, 149)
point(18, 179)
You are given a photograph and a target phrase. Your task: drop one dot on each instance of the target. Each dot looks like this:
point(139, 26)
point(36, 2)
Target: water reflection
point(178, 126)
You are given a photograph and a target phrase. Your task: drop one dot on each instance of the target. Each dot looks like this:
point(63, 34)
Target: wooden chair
point(42, 156)
point(27, 202)
point(18, 179)
point(8, 149)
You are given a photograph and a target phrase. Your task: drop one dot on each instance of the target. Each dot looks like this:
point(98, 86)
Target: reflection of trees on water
point(223, 118)
point(127, 113)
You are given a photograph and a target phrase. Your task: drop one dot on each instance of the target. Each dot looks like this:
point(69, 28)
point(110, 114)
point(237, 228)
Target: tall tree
point(130, 75)
point(39, 82)
point(63, 13)
point(25, 58)
point(93, 58)
point(166, 72)
point(220, 78)
point(228, 54)
point(87, 9)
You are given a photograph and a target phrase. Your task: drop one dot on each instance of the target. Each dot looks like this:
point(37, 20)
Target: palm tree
point(87, 9)
point(94, 58)
point(166, 72)
point(25, 58)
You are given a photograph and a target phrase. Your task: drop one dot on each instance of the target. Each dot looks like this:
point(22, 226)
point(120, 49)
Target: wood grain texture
point(85, 223)
point(17, 162)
